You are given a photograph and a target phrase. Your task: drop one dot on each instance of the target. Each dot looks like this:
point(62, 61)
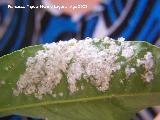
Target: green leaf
point(121, 101)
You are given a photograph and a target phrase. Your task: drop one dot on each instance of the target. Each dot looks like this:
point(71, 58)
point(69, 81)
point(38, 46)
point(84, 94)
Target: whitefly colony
point(95, 60)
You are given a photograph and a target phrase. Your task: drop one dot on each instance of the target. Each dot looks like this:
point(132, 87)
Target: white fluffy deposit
point(95, 60)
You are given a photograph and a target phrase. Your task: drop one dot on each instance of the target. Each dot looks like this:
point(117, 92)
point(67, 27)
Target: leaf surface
point(121, 101)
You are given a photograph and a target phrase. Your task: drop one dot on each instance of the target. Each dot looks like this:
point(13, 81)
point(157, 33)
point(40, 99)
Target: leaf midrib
point(77, 100)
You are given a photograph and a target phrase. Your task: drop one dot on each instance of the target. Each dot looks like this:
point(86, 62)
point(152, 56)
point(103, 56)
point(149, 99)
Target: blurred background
point(131, 19)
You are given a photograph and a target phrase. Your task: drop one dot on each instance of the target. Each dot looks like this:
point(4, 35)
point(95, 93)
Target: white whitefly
point(60, 94)
point(121, 39)
point(129, 71)
point(2, 82)
point(148, 63)
point(148, 76)
point(128, 51)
